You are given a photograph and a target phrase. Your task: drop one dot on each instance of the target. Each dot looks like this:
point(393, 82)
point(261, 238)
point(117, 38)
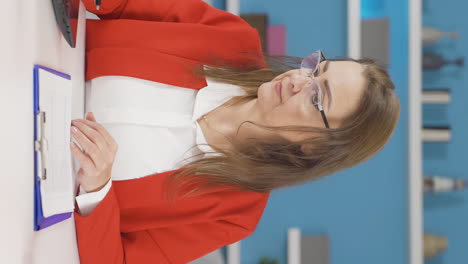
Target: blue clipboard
point(40, 173)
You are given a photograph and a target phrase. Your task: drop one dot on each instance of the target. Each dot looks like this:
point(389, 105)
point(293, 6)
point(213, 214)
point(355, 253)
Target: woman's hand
point(98, 153)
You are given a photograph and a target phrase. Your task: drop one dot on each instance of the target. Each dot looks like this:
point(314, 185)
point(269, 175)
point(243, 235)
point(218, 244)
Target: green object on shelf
point(267, 260)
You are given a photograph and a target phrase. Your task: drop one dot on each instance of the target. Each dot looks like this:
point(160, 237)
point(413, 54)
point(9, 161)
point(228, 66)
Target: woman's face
point(342, 84)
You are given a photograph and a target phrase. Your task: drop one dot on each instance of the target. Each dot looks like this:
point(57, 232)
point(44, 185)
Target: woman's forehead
point(347, 84)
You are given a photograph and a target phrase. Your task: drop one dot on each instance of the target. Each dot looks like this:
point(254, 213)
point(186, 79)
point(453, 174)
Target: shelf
point(414, 134)
point(354, 29)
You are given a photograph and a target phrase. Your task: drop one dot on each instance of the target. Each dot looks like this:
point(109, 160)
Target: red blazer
point(134, 224)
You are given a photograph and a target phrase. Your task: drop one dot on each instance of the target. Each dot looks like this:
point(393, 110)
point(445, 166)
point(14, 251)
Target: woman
point(327, 115)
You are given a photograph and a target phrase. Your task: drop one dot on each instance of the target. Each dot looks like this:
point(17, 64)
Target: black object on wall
point(258, 21)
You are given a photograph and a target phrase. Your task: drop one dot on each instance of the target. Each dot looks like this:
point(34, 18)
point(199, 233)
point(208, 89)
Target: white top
point(154, 125)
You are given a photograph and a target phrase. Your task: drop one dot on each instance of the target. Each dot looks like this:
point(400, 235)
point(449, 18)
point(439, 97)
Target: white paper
point(55, 100)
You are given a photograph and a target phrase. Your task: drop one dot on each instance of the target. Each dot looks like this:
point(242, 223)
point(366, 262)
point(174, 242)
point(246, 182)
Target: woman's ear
point(309, 148)
point(306, 149)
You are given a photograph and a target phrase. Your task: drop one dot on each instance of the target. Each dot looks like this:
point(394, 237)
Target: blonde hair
point(261, 166)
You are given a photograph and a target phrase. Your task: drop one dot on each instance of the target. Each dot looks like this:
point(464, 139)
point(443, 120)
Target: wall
point(362, 209)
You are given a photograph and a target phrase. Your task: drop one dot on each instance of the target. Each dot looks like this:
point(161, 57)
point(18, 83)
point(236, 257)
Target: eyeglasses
point(309, 68)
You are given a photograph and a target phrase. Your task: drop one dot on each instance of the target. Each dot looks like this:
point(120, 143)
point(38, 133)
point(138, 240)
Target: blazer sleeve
point(101, 238)
point(201, 34)
point(184, 11)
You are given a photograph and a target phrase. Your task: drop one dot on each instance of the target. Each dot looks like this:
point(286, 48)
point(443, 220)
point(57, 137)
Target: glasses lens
point(310, 63)
point(316, 95)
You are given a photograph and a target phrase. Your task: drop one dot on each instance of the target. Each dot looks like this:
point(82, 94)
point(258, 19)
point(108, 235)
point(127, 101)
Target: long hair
point(261, 166)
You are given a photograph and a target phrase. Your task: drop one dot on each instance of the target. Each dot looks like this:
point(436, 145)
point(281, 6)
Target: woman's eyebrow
point(327, 86)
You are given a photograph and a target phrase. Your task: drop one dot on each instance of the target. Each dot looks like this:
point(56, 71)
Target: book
point(436, 134)
point(276, 40)
point(436, 97)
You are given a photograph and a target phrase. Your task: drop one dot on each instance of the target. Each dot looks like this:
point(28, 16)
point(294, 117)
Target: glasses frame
point(321, 58)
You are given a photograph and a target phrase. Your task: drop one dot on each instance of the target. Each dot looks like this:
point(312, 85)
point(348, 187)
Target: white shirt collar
point(208, 98)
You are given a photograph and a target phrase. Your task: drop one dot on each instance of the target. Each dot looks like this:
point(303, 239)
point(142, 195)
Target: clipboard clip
point(41, 145)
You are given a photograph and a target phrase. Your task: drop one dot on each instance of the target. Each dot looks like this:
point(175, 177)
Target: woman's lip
point(278, 89)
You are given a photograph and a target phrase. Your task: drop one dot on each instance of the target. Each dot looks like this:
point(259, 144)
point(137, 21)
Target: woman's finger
point(95, 136)
point(85, 161)
point(103, 131)
point(91, 142)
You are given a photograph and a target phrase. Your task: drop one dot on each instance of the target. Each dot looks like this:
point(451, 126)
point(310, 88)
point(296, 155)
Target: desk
point(30, 35)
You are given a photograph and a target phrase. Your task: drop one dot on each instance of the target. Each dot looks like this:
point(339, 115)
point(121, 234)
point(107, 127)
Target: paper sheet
point(55, 100)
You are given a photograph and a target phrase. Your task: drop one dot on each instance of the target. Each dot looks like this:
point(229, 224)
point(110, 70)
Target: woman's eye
point(314, 100)
point(316, 73)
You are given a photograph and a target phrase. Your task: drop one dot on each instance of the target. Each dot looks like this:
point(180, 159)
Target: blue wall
point(447, 214)
point(364, 209)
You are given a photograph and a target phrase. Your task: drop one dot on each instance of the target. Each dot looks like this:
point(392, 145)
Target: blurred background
point(381, 211)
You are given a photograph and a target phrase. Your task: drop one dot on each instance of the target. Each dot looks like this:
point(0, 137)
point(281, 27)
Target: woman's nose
point(299, 81)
